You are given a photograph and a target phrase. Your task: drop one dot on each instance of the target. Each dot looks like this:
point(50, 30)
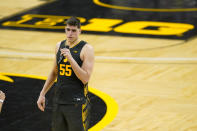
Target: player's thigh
point(77, 118)
point(58, 121)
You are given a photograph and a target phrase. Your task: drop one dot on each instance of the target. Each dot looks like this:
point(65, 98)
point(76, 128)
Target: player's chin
point(71, 40)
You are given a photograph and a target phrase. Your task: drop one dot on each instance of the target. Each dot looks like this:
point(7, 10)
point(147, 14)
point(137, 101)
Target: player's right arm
point(2, 98)
point(49, 82)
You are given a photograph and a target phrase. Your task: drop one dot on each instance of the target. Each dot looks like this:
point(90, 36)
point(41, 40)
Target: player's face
point(72, 33)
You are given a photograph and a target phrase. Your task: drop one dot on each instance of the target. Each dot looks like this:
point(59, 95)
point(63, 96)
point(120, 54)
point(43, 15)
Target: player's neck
point(71, 44)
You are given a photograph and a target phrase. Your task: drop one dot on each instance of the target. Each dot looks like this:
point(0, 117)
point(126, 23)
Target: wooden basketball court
point(152, 80)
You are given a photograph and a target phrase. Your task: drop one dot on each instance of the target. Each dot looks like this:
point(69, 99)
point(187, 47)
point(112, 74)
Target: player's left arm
point(84, 72)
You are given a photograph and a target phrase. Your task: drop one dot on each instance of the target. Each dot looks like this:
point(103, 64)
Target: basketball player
point(2, 98)
point(72, 68)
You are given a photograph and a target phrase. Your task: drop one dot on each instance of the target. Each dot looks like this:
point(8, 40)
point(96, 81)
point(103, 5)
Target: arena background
point(144, 77)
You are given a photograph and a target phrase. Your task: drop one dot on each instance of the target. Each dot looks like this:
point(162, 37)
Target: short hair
point(73, 21)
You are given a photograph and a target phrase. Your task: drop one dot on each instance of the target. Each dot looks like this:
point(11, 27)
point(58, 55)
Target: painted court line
point(148, 58)
point(51, 56)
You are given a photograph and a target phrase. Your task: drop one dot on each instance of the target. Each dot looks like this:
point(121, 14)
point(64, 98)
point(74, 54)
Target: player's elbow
point(85, 80)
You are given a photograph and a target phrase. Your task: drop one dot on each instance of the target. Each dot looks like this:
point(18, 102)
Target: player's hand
point(66, 53)
point(2, 95)
point(41, 103)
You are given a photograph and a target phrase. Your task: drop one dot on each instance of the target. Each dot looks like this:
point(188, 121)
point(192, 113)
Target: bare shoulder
point(57, 46)
point(88, 47)
point(87, 52)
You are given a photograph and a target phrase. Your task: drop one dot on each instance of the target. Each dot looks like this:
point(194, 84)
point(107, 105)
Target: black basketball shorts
point(70, 117)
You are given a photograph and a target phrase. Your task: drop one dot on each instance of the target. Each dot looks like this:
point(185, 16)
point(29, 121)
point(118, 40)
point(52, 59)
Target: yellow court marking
point(112, 109)
point(24, 75)
point(98, 2)
point(112, 106)
point(48, 22)
point(6, 78)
